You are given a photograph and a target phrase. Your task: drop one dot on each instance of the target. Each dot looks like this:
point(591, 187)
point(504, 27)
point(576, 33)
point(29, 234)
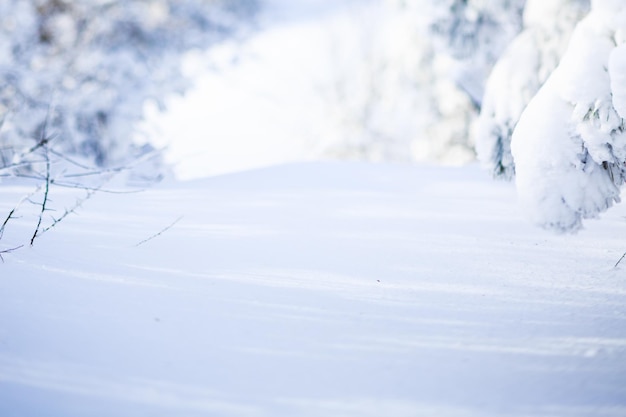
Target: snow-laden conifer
point(569, 145)
point(519, 73)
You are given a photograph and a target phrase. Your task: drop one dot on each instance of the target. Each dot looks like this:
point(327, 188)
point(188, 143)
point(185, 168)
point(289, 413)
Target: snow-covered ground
point(321, 289)
point(335, 289)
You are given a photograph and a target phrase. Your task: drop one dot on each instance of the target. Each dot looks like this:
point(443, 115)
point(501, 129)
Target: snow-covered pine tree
point(519, 73)
point(569, 145)
point(83, 69)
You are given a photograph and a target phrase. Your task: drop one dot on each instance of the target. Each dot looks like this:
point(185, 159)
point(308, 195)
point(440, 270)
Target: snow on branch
point(519, 73)
point(569, 145)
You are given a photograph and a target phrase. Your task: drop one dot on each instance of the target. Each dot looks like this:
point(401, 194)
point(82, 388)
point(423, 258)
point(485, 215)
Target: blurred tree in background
point(79, 72)
point(417, 89)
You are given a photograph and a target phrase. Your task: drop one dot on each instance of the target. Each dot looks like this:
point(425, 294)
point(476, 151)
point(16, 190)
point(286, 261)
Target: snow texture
point(334, 289)
point(570, 143)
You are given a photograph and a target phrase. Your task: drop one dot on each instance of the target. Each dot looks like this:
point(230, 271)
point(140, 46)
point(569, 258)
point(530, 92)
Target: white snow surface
point(318, 289)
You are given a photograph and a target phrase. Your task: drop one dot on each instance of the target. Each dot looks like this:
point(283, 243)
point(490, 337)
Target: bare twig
point(78, 204)
point(79, 186)
point(620, 260)
point(17, 206)
point(90, 169)
point(40, 162)
point(45, 197)
point(4, 224)
point(161, 232)
point(8, 251)
point(9, 167)
point(44, 138)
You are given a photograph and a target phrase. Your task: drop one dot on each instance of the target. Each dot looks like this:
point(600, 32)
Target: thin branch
point(91, 173)
point(161, 232)
point(44, 138)
point(17, 206)
point(45, 197)
point(90, 169)
point(620, 260)
point(79, 186)
point(8, 251)
point(78, 204)
point(70, 160)
point(11, 166)
point(42, 159)
point(4, 224)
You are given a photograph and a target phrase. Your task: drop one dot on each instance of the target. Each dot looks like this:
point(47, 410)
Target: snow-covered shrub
point(519, 73)
point(85, 68)
point(569, 145)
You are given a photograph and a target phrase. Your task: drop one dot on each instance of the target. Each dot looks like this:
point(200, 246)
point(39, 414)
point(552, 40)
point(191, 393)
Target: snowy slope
point(326, 289)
